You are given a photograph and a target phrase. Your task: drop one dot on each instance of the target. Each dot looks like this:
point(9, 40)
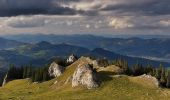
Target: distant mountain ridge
point(148, 48)
point(8, 44)
point(43, 52)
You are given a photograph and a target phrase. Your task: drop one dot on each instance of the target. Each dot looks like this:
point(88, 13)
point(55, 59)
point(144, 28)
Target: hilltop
point(112, 87)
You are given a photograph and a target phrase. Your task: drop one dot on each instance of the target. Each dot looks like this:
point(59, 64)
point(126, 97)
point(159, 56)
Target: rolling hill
point(111, 88)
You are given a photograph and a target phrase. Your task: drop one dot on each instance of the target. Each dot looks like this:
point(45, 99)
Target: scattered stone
point(55, 82)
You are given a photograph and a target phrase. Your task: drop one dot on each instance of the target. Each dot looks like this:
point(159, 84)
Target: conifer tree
point(25, 72)
point(158, 74)
point(168, 80)
point(163, 77)
point(137, 69)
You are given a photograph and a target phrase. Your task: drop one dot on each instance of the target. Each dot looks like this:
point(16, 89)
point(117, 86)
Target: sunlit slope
point(112, 88)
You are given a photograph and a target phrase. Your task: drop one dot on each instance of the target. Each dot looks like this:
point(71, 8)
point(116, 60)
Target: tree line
point(161, 73)
point(35, 74)
point(41, 74)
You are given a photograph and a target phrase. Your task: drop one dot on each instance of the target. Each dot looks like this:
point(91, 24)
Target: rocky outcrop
point(55, 70)
point(84, 75)
point(5, 80)
point(88, 60)
point(72, 58)
point(150, 78)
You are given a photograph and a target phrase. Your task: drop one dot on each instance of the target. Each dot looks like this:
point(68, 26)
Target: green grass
point(111, 88)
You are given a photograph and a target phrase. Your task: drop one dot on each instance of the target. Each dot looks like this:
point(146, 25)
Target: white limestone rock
point(150, 78)
point(5, 80)
point(72, 58)
point(84, 75)
point(55, 70)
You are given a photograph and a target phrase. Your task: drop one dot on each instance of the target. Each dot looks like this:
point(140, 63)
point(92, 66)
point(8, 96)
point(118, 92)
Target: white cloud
point(37, 21)
point(121, 23)
point(82, 24)
point(51, 24)
point(165, 23)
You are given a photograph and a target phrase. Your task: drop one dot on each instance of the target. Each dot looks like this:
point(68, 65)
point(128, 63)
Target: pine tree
point(158, 74)
point(125, 67)
point(163, 77)
point(137, 69)
point(45, 77)
point(149, 69)
point(168, 80)
point(36, 77)
point(153, 72)
point(25, 72)
point(32, 76)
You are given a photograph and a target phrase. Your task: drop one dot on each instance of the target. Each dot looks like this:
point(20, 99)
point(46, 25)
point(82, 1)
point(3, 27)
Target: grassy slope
point(112, 88)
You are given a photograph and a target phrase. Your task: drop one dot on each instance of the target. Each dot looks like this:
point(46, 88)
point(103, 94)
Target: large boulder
point(84, 75)
point(55, 70)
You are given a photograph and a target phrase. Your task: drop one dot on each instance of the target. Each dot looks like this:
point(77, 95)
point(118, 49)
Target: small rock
point(55, 82)
point(35, 83)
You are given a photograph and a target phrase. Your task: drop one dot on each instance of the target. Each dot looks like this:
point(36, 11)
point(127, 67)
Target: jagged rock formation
point(55, 70)
point(72, 58)
point(84, 75)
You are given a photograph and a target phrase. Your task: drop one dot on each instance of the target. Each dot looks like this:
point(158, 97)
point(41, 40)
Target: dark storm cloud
point(147, 7)
point(31, 7)
point(55, 7)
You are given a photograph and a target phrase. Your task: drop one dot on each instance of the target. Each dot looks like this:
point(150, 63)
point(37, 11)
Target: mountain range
point(152, 48)
point(7, 44)
point(41, 53)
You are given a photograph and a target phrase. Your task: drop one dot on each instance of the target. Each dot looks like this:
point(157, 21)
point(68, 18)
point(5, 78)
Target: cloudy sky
point(85, 17)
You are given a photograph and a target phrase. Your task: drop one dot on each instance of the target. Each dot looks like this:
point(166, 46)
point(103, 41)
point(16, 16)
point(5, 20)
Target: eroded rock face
point(84, 75)
point(55, 70)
